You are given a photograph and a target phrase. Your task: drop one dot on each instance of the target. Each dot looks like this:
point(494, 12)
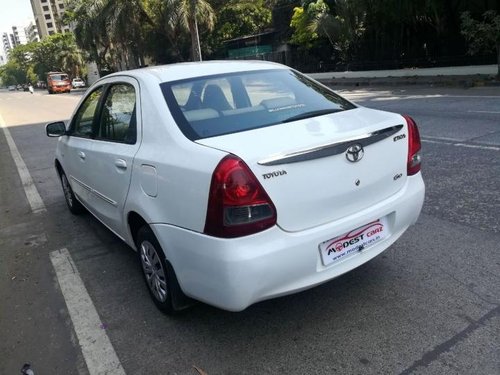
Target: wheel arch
point(135, 222)
point(59, 167)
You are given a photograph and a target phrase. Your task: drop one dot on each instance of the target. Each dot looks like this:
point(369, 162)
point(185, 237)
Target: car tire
point(159, 275)
point(74, 205)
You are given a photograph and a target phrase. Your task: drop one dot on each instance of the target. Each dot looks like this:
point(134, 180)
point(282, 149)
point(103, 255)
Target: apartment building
point(6, 44)
point(31, 32)
point(48, 17)
point(18, 36)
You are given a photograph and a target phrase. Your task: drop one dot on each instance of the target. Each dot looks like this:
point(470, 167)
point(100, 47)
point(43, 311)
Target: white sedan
point(77, 82)
point(237, 182)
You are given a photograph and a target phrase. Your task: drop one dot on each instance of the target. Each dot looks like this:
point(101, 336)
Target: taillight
point(237, 203)
point(414, 146)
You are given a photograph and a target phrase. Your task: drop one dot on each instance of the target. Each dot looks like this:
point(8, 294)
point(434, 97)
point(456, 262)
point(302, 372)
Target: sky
point(14, 13)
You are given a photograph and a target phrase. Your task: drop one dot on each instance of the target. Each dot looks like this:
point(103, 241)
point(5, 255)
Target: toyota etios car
point(238, 182)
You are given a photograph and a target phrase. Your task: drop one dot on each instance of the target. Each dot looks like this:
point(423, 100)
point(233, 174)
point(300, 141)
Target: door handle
point(81, 154)
point(120, 163)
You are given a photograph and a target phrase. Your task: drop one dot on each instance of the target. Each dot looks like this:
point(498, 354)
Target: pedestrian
point(30, 87)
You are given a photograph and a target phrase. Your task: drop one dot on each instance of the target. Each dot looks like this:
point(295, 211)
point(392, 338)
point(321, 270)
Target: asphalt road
point(428, 305)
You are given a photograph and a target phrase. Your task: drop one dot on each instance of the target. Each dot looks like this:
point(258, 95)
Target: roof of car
point(179, 71)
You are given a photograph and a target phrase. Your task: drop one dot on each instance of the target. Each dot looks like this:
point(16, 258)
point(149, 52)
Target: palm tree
point(342, 29)
point(125, 21)
point(116, 31)
point(71, 60)
point(167, 23)
point(193, 12)
point(90, 30)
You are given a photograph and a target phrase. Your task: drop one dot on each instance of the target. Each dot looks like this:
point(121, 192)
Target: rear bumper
point(235, 273)
point(61, 88)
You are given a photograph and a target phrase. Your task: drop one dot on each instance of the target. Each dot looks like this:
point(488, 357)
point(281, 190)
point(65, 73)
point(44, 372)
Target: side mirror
point(55, 129)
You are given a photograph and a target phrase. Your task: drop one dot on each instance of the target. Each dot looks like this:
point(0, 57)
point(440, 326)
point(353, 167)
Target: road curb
point(431, 81)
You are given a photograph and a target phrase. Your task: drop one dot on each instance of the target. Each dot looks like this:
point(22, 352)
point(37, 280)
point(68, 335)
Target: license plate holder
point(352, 242)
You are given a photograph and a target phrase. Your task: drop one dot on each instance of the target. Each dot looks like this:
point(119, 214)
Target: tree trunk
point(193, 29)
point(195, 40)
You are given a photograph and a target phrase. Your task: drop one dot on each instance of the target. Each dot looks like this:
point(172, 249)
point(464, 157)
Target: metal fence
point(309, 63)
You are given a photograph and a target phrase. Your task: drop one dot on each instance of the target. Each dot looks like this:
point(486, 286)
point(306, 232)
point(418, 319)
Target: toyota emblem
point(355, 153)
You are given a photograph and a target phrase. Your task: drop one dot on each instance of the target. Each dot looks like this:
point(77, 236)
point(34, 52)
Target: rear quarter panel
point(180, 169)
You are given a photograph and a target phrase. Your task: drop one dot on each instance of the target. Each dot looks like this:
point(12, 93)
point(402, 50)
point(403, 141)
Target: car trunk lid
point(321, 169)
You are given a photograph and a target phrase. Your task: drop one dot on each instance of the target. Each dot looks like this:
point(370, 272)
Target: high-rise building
point(6, 44)
point(48, 16)
point(31, 32)
point(18, 36)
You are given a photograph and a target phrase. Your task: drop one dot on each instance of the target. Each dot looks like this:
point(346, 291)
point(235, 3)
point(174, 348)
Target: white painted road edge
point(30, 189)
point(97, 349)
point(454, 142)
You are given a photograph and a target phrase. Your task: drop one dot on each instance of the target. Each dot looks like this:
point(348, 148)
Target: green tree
point(482, 36)
point(111, 31)
point(12, 74)
point(125, 24)
point(57, 52)
point(31, 62)
point(342, 26)
point(194, 12)
point(21, 57)
point(69, 57)
point(302, 34)
point(239, 18)
point(167, 39)
point(90, 30)
point(114, 32)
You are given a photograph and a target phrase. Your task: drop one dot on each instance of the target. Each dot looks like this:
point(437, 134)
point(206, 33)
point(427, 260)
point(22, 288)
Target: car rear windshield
point(210, 106)
point(59, 77)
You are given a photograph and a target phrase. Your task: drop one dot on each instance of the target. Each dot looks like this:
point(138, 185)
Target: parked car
point(237, 182)
point(12, 88)
point(58, 82)
point(77, 82)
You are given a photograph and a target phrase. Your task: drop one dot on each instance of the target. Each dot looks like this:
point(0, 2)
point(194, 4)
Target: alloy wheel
point(153, 270)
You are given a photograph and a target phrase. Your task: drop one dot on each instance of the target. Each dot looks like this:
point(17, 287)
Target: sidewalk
point(461, 76)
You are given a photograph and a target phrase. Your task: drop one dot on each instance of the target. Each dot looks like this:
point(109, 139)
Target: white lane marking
point(377, 96)
point(443, 139)
point(434, 141)
point(495, 112)
point(451, 142)
point(472, 96)
point(97, 350)
point(30, 189)
point(493, 148)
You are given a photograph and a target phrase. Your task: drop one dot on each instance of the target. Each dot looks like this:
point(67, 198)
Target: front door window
point(84, 119)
